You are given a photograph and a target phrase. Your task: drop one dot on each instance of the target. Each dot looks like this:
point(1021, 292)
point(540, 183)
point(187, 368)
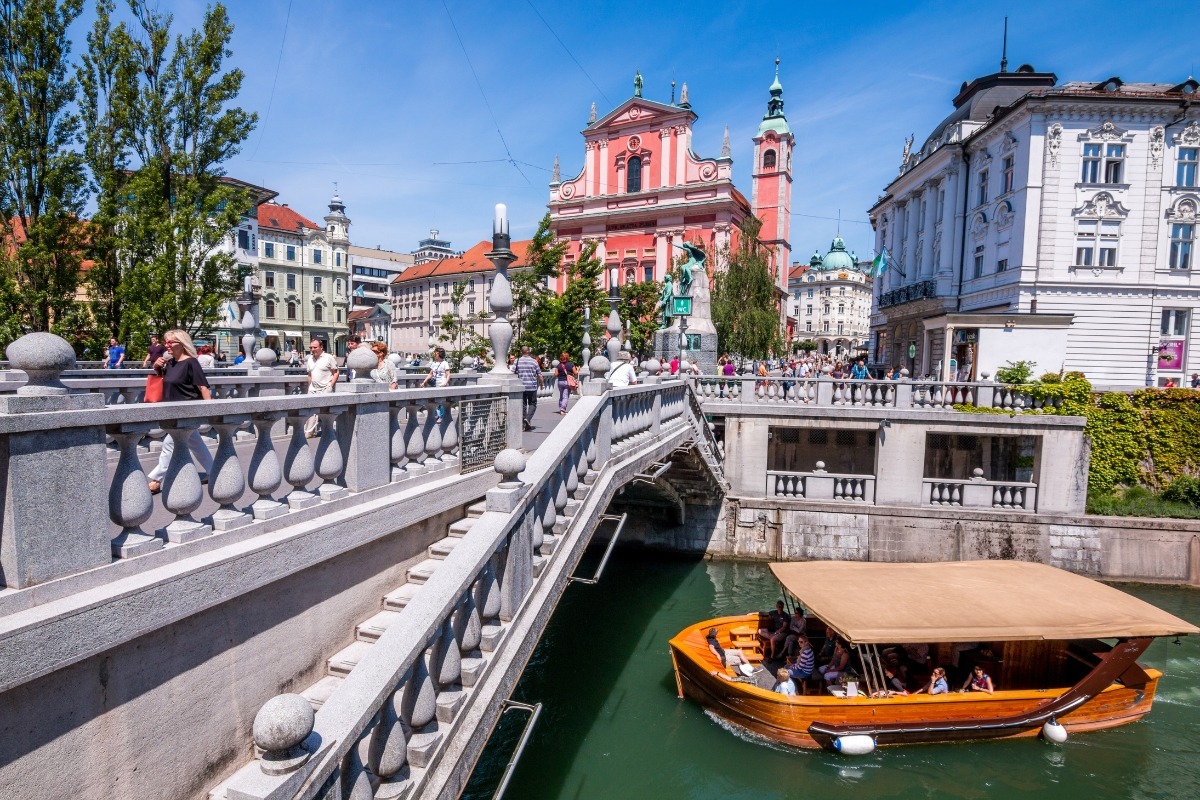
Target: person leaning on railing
point(183, 381)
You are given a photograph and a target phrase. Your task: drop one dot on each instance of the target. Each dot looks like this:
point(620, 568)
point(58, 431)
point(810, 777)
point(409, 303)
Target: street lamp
point(500, 331)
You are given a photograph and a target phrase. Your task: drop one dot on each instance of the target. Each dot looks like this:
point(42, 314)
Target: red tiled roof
point(471, 261)
point(797, 272)
point(362, 313)
point(282, 218)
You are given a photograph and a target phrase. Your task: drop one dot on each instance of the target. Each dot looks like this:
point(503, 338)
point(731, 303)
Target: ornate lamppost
point(248, 304)
point(501, 299)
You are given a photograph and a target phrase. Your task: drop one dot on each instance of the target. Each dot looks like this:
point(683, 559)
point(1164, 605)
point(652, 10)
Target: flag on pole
point(881, 262)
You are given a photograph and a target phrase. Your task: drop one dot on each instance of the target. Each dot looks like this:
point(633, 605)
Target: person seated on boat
point(784, 683)
point(894, 659)
point(937, 683)
point(727, 658)
point(837, 665)
point(827, 648)
point(895, 683)
point(802, 666)
point(776, 626)
point(958, 648)
point(979, 681)
point(794, 632)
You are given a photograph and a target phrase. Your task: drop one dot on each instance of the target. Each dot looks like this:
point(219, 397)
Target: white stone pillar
point(949, 229)
point(911, 255)
point(929, 198)
point(681, 148)
point(662, 255)
point(589, 168)
point(664, 137)
point(602, 166)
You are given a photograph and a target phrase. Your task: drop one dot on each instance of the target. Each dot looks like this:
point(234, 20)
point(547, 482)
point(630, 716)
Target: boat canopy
point(968, 601)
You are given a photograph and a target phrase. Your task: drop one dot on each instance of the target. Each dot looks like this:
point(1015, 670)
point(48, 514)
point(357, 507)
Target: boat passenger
point(784, 685)
point(774, 631)
point(802, 667)
point(937, 683)
point(827, 649)
point(837, 664)
point(794, 632)
point(727, 658)
point(979, 681)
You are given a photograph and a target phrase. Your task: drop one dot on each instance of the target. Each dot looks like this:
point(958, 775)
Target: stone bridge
point(391, 575)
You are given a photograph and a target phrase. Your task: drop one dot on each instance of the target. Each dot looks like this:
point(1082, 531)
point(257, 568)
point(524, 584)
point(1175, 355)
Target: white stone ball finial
point(510, 463)
point(265, 356)
point(43, 357)
point(280, 728)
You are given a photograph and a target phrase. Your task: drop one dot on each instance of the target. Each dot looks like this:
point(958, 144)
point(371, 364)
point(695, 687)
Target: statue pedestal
point(666, 347)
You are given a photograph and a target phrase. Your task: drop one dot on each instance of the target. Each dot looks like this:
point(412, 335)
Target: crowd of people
point(795, 661)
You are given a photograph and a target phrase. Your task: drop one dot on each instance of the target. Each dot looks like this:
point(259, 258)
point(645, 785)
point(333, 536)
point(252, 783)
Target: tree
point(459, 333)
point(108, 82)
point(583, 291)
point(175, 212)
point(639, 307)
point(745, 307)
point(42, 182)
point(542, 260)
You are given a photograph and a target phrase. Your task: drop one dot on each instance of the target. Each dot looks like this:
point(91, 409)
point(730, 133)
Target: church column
point(664, 174)
point(662, 256)
point(603, 166)
point(589, 168)
point(680, 155)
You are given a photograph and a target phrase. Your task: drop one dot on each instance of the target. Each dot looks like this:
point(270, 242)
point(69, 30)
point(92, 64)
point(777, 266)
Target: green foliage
point(43, 188)
point(542, 262)
point(1136, 501)
point(1184, 489)
point(458, 334)
point(806, 346)
point(1017, 372)
point(639, 307)
point(745, 304)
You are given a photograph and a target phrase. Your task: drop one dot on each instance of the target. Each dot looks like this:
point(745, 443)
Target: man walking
point(622, 373)
point(322, 377)
point(531, 379)
point(155, 352)
point(116, 355)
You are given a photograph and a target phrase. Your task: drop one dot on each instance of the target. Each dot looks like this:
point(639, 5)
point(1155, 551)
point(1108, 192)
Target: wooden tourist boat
point(1062, 650)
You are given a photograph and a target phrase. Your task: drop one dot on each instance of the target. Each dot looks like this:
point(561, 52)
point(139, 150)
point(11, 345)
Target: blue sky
point(373, 94)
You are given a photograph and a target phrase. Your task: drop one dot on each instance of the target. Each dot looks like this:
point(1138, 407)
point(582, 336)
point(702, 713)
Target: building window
point(810, 293)
point(633, 174)
point(937, 212)
point(338, 284)
point(808, 327)
point(1174, 322)
point(270, 278)
point(339, 315)
point(318, 312)
point(316, 285)
point(828, 291)
point(983, 187)
point(978, 262)
point(270, 309)
point(1008, 175)
point(471, 307)
point(648, 272)
point(826, 309)
point(316, 256)
point(840, 329)
point(1002, 265)
point(471, 284)
point(1103, 163)
point(842, 291)
point(291, 310)
point(1096, 243)
point(291, 252)
point(769, 159)
point(1183, 236)
point(825, 327)
point(269, 249)
point(291, 282)
point(243, 239)
point(1185, 170)
point(841, 308)
point(808, 310)
point(337, 259)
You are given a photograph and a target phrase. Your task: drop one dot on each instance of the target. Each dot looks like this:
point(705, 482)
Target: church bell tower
point(771, 189)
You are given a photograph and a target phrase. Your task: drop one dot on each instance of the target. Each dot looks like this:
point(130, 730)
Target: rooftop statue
point(637, 84)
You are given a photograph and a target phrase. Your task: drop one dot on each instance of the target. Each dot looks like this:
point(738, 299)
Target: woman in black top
point(183, 380)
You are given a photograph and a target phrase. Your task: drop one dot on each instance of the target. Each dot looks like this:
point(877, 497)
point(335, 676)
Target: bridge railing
point(386, 724)
point(867, 393)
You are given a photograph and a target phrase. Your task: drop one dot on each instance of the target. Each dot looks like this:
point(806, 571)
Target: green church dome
point(837, 259)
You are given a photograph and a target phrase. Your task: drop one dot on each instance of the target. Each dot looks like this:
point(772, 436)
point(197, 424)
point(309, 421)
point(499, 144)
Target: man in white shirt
point(322, 378)
point(622, 373)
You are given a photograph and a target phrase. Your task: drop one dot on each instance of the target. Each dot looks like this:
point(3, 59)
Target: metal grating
point(482, 432)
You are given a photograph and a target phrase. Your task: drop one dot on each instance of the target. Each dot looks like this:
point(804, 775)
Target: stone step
point(319, 692)
point(373, 628)
point(590, 478)
point(459, 529)
point(423, 571)
point(572, 508)
point(399, 598)
point(439, 550)
point(476, 509)
point(492, 633)
point(342, 662)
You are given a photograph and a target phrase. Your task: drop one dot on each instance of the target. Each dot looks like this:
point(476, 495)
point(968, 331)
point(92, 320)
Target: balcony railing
point(906, 294)
point(821, 485)
point(980, 493)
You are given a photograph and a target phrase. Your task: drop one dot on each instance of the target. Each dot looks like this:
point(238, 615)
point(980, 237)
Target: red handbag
point(154, 389)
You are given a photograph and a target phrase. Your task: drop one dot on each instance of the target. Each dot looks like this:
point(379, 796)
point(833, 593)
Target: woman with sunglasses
point(183, 380)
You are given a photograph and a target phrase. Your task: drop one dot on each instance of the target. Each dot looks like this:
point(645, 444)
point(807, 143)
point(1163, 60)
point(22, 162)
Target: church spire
point(774, 118)
point(683, 97)
point(592, 113)
point(554, 176)
point(726, 151)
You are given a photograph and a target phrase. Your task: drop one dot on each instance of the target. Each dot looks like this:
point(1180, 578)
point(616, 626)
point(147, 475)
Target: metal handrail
point(535, 711)
point(592, 581)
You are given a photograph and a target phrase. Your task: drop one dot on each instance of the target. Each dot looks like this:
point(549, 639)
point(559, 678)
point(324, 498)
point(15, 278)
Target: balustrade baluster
point(329, 462)
point(129, 500)
point(418, 702)
point(560, 499)
point(356, 775)
point(468, 627)
point(571, 476)
point(389, 746)
point(487, 593)
point(398, 445)
point(415, 438)
point(448, 428)
point(859, 485)
point(939, 493)
point(445, 659)
point(181, 488)
point(549, 518)
point(265, 475)
point(432, 434)
point(226, 484)
point(298, 466)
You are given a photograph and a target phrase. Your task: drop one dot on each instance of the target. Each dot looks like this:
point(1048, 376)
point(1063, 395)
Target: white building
point(242, 244)
point(434, 249)
point(830, 300)
point(1050, 223)
point(372, 271)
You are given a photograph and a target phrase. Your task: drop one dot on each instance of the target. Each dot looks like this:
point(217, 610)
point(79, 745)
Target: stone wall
point(169, 713)
point(1117, 548)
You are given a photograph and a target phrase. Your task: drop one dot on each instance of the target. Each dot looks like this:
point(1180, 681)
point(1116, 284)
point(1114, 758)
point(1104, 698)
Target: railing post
point(656, 413)
point(516, 576)
point(604, 434)
point(904, 391)
point(366, 441)
point(41, 537)
point(985, 392)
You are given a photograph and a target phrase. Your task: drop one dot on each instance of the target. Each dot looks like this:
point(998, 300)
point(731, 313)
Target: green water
point(613, 728)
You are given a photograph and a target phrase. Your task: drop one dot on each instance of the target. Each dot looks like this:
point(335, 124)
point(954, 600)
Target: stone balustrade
point(388, 722)
point(980, 493)
point(820, 485)
point(843, 392)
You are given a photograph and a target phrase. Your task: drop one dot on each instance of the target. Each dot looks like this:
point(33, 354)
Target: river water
point(612, 726)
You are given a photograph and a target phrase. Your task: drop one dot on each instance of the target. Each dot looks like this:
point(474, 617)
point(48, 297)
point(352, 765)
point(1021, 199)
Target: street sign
point(912, 351)
point(681, 306)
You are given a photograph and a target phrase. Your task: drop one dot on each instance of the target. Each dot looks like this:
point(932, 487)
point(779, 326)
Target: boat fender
point(1053, 732)
point(856, 745)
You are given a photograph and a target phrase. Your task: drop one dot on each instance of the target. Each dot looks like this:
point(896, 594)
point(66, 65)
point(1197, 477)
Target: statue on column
point(668, 294)
point(693, 282)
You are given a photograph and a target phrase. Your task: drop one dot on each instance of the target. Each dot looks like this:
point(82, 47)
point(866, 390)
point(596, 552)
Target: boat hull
point(923, 718)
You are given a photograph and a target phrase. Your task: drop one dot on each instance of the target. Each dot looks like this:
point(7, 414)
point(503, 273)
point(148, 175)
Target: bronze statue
point(668, 294)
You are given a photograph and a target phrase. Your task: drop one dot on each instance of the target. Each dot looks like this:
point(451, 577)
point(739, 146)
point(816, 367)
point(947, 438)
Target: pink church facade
point(642, 191)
